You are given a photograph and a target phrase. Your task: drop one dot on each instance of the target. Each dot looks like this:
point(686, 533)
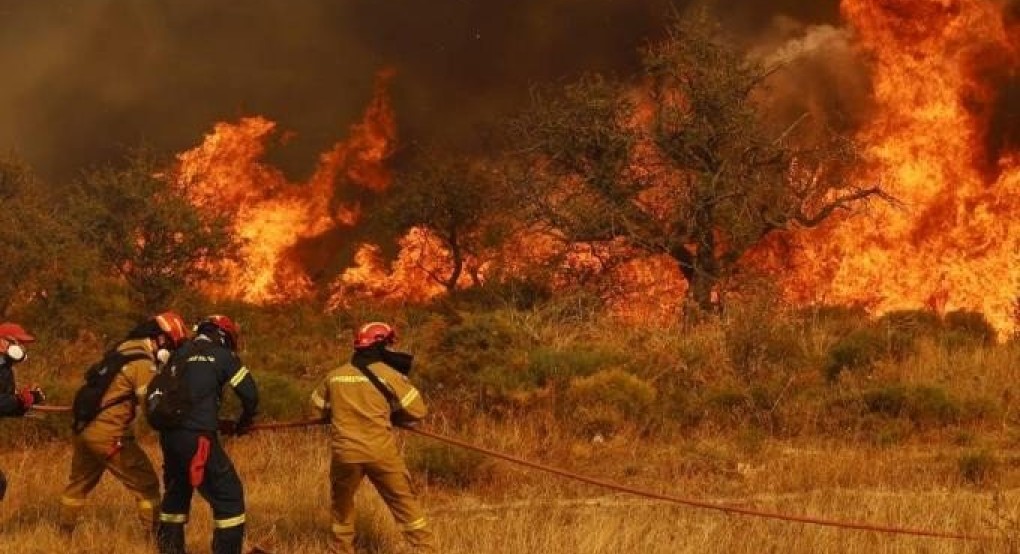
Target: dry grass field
point(906, 421)
point(509, 510)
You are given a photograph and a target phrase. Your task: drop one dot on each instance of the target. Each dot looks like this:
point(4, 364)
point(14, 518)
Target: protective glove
point(243, 427)
point(227, 427)
point(400, 418)
point(232, 428)
point(38, 396)
point(29, 397)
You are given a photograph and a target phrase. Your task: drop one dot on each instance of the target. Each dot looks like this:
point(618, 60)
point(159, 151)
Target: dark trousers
point(220, 487)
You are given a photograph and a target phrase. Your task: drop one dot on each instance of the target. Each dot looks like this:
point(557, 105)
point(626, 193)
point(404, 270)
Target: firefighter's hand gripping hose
point(700, 504)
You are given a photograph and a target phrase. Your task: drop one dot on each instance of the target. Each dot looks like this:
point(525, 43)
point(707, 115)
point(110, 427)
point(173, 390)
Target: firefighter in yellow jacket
point(104, 413)
point(363, 400)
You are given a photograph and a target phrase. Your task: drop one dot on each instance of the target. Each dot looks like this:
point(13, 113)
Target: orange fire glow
point(271, 215)
point(954, 242)
point(951, 242)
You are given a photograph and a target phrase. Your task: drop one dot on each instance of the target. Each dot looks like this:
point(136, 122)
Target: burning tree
point(449, 198)
point(685, 162)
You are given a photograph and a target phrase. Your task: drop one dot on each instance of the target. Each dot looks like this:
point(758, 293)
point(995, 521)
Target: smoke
point(997, 72)
point(820, 74)
point(82, 79)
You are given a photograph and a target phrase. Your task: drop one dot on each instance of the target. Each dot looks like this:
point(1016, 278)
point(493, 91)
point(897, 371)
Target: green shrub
point(978, 468)
point(932, 405)
point(762, 343)
point(966, 327)
point(607, 401)
point(889, 401)
point(546, 365)
point(281, 397)
point(857, 351)
point(923, 405)
point(479, 333)
point(727, 404)
point(483, 352)
point(678, 409)
point(454, 467)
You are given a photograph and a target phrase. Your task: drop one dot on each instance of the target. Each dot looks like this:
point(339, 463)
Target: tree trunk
point(700, 269)
point(458, 263)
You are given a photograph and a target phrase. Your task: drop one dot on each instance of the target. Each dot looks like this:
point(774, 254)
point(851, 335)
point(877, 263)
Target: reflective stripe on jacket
point(360, 415)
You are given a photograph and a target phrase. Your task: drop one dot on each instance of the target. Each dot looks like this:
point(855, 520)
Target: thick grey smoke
point(82, 79)
point(820, 74)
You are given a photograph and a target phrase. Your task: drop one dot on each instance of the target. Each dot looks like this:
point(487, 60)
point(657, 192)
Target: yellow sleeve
point(318, 405)
point(410, 398)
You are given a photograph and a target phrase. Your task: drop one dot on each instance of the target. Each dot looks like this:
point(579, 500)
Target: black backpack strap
point(389, 395)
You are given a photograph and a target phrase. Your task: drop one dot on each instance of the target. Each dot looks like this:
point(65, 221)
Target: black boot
point(229, 540)
point(170, 538)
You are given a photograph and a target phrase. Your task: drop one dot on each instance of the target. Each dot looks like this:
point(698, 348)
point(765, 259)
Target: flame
point(408, 279)
point(954, 242)
point(271, 215)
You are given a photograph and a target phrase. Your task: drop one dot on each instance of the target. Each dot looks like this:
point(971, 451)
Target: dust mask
point(16, 353)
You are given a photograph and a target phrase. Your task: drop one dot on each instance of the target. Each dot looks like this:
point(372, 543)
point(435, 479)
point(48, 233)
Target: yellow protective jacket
point(116, 421)
point(359, 413)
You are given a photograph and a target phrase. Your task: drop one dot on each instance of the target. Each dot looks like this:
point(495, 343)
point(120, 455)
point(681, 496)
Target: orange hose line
point(50, 409)
point(698, 503)
point(860, 526)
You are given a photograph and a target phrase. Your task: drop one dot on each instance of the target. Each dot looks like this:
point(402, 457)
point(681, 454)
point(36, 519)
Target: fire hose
point(699, 504)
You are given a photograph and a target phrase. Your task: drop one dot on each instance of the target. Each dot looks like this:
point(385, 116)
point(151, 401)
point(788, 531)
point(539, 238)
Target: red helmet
point(374, 333)
point(12, 336)
point(226, 325)
point(13, 331)
point(172, 324)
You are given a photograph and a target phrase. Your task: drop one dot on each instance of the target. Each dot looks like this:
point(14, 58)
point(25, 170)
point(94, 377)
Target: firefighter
point(107, 442)
point(13, 339)
point(363, 400)
point(192, 454)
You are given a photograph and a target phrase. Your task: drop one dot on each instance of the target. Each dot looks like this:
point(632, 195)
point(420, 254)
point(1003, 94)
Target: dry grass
point(754, 427)
point(519, 511)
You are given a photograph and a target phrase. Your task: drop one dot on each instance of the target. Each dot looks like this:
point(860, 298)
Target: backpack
point(168, 401)
point(88, 401)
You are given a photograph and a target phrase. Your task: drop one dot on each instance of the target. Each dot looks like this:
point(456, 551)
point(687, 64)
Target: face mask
point(400, 361)
point(16, 353)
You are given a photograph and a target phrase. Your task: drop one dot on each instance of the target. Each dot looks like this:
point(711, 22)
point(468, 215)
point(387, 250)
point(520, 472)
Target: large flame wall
point(271, 215)
point(952, 239)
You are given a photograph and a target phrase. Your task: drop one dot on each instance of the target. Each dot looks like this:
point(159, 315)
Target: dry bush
point(440, 464)
point(979, 468)
point(606, 402)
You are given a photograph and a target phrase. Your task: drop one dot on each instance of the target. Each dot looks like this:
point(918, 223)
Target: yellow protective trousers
point(393, 482)
point(122, 457)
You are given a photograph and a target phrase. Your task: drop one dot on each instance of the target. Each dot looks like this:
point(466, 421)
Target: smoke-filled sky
point(82, 79)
